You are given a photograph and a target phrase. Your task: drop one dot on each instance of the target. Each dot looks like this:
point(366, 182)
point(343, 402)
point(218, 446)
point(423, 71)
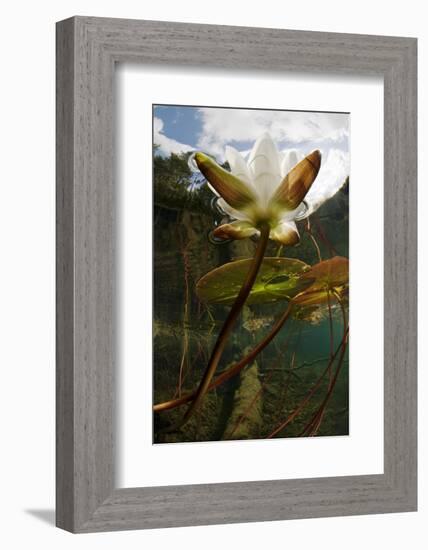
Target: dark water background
point(254, 403)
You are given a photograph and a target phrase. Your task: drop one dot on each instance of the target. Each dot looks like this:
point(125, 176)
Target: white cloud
point(166, 144)
point(223, 126)
point(332, 175)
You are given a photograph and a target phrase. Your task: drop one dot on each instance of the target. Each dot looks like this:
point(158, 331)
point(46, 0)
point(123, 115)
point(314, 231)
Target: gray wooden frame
point(87, 50)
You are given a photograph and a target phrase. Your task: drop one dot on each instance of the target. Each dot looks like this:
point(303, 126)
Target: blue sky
point(181, 129)
point(180, 123)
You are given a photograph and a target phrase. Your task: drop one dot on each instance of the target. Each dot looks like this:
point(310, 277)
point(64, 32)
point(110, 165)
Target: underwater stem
point(323, 237)
point(313, 239)
point(330, 316)
point(184, 355)
point(229, 322)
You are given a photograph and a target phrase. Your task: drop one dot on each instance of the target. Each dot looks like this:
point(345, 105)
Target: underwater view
point(251, 274)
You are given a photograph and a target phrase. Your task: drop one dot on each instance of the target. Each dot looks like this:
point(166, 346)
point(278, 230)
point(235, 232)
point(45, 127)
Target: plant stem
point(184, 355)
point(323, 237)
point(313, 239)
point(229, 322)
point(330, 374)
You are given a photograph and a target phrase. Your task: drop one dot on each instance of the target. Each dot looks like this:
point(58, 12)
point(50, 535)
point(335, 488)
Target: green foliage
point(176, 188)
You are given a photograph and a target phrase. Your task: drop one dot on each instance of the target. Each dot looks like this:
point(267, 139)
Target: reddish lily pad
point(328, 278)
point(328, 273)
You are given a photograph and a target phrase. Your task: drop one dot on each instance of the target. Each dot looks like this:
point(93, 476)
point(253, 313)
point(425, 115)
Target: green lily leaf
point(278, 279)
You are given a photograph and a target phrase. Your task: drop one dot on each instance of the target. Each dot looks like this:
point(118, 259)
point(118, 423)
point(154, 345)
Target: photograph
point(250, 273)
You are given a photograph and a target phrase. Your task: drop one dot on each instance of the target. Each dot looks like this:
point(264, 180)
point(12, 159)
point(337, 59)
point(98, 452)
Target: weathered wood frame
point(87, 50)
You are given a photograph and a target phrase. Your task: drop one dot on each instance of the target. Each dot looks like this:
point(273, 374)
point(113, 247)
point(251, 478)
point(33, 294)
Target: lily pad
point(326, 276)
point(328, 273)
point(278, 279)
point(312, 298)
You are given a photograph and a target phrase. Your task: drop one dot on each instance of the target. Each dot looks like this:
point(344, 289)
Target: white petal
point(232, 212)
point(237, 164)
point(332, 175)
point(212, 188)
point(264, 166)
point(298, 213)
point(285, 233)
point(290, 158)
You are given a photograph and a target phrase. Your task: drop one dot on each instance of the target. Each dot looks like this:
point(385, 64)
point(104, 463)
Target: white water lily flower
point(268, 188)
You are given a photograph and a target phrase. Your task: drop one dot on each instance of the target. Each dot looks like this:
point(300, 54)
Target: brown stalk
point(313, 239)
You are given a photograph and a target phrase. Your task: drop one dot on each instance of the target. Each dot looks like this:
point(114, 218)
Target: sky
point(181, 129)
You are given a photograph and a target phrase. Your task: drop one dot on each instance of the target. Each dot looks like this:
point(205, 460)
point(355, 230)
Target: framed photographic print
point(236, 274)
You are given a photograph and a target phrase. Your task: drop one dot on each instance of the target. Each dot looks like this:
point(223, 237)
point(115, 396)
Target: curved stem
point(313, 239)
point(229, 322)
point(322, 236)
point(317, 248)
point(233, 370)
